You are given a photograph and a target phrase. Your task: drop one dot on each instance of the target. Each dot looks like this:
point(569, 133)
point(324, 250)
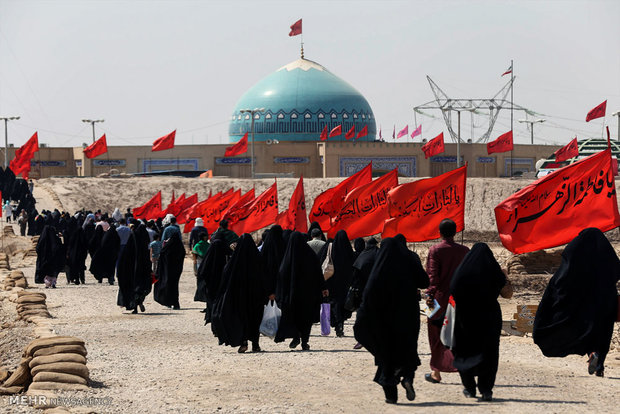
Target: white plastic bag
point(447, 330)
point(271, 320)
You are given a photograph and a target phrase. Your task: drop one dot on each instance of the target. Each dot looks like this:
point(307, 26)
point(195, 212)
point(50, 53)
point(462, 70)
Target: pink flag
point(416, 132)
point(403, 132)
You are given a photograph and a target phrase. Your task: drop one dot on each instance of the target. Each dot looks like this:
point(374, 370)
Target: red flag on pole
point(336, 131)
point(212, 214)
point(568, 151)
point(21, 163)
point(295, 28)
point(434, 146)
point(295, 217)
point(150, 209)
point(508, 71)
point(417, 208)
point(96, 148)
point(197, 210)
point(503, 143)
point(258, 213)
point(553, 210)
point(165, 142)
point(327, 204)
point(324, 134)
point(363, 132)
point(416, 132)
point(240, 147)
point(231, 213)
point(597, 112)
point(365, 208)
point(403, 132)
point(350, 133)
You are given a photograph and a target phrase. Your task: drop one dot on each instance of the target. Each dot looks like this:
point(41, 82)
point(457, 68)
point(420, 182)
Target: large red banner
point(258, 213)
point(553, 210)
point(213, 213)
point(417, 208)
point(149, 210)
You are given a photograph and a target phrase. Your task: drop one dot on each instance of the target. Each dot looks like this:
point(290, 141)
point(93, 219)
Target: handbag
point(271, 320)
point(325, 319)
point(447, 330)
point(328, 265)
point(353, 300)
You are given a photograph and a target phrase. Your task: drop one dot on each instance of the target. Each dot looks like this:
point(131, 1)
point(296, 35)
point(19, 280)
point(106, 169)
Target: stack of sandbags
point(19, 380)
point(57, 363)
point(8, 231)
point(31, 305)
point(32, 251)
point(4, 261)
point(538, 262)
point(15, 279)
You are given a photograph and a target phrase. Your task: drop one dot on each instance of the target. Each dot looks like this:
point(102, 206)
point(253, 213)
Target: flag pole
point(302, 44)
point(512, 86)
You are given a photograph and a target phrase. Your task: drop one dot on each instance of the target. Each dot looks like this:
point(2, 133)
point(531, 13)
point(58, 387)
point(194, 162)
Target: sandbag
point(57, 386)
point(21, 376)
point(64, 367)
point(28, 292)
point(4, 374)
point(59, 377)
point(64, 357)
point(61, 349)
point(37, 344)
point(30, 299)
point(30, 306)
point(32, 312)
point(11, 390)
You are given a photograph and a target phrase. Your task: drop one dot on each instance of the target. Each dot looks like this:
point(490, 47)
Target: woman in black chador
point(50, 257)
point(272, 253)
point(103, 263)
point(238, 309)
point(577, 312)
point(169, 269)
point(299, 290)
point(475, 286)
point(210, 274)
point(134, 271)
point(77, 251)
point(388, 320)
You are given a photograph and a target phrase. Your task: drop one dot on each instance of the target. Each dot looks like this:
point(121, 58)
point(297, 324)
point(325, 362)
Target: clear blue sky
point(148, 67)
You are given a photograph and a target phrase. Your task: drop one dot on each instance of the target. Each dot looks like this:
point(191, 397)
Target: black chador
point(272, 253)
point(210, 273)
point(76, 252)
point(50, 257)
point(169, 269)
point(102, 266)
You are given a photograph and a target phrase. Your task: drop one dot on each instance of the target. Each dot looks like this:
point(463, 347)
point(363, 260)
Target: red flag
point(403, 132)
point(567, 152)
point(149, 210)
point(597, 112)
point(327, 204)
point(258, 213)
point(336, 131)
point(165, 142)
point(213, 213)
point(295, 217)
point(21, 163)
point(508, 71)
point(363, 132)
point(416, 132)
point(553, 210)
point(350, 133)
point(434, 146)
point(231, 213)
point(503, 143)
point(324, 134)
point(417, 208)
point(365, 208)
point(240, 147)
point(295, 28)
point(189, 217)
point(172, 199)
point(96, 148)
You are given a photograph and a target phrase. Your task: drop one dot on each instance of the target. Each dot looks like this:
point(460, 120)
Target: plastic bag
point(447, 330)
point(271, 320)
point(325, 319)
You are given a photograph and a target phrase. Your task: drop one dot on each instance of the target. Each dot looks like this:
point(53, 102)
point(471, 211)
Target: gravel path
point(167, 361)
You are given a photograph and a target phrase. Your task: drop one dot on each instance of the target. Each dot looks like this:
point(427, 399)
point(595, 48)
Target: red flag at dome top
point(434, 146)
point(96, 148)
point(568, 151)
point(295, 28)
point(363, 132)
point(240, 147)
point(597, 112)
point(165, 142)
point(503, 143)
point(336, 131)
point(350, 133)
point(324, 134)
point(403, 132)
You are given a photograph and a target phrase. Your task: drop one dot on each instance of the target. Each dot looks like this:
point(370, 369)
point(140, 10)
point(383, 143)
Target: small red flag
point(508, 71)
point(21, 163)
point(260, 212)
point(363, 132)
point(417, 208)
point(350, 133)
point(336, 131)
point(567, 152)
point(165, 142)
point(553, 210)
point(365, 209)
point(324, 134)
point(295, 28)
point(295, 217)
point(96, 148)
point(240, 147)
point(327, 204)
point(434, 146)
point(597, 112)
point(503, 143)
point(149, 210)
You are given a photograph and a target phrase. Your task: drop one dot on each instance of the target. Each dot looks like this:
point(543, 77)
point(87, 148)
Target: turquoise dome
point(300, 99)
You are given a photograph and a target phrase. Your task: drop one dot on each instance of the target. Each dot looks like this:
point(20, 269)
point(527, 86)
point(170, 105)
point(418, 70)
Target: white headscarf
point(199, 222)
point(166, 219)
point(117, 215)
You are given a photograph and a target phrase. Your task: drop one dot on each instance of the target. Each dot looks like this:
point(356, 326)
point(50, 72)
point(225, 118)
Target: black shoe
point(430, 379)
point(203, 311)
point(487, 396)
point(592, 363)
point(339, 333)
point(111, 282)
point(294, 343)
point(600, 373)
point(469, 394)
point(391, 394)
point(176, 307)
point(256, 348)
point(242, 349)
point(305, 347)
point(142, 309)
point(408, 386)
point(135, 311)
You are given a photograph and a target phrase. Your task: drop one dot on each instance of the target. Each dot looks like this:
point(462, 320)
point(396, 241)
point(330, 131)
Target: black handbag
point(353, 299)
